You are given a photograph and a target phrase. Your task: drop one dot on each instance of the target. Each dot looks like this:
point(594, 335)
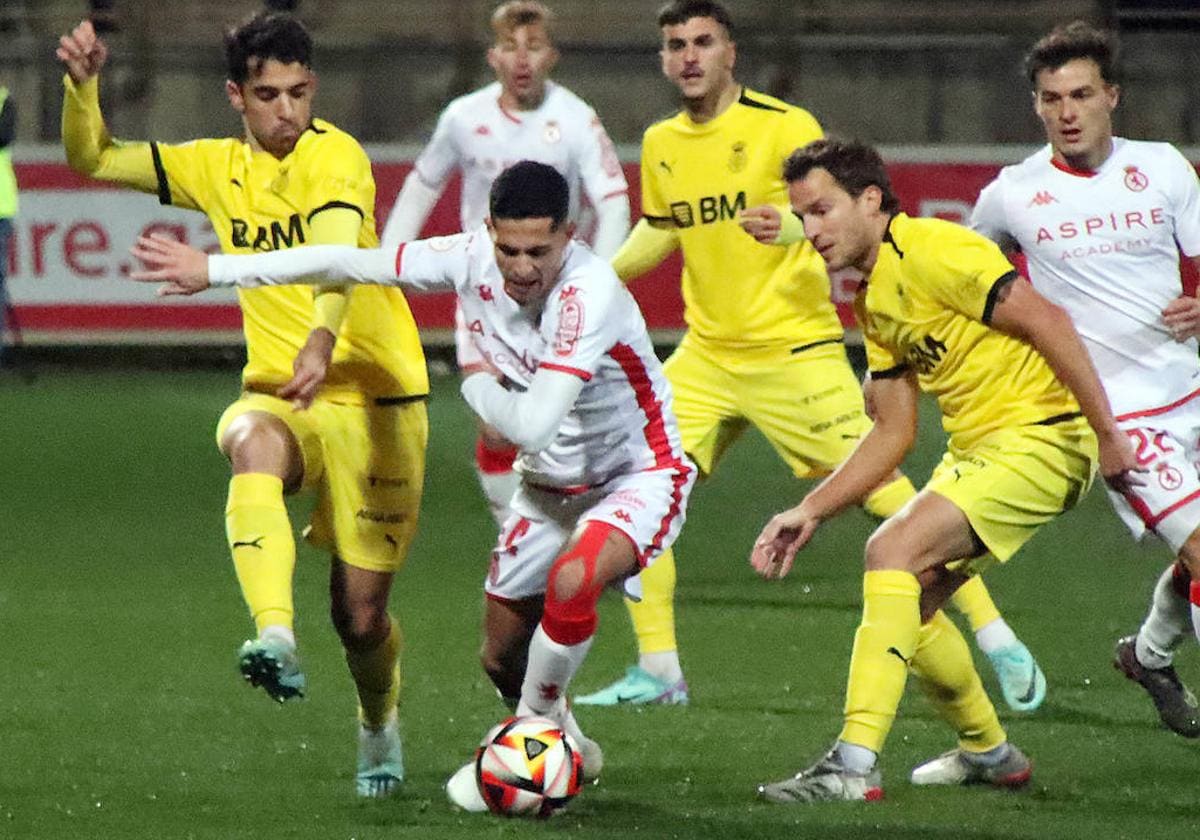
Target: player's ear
point(234, 91)
point(1114, 95)
point(491, 228)
point(492, 60)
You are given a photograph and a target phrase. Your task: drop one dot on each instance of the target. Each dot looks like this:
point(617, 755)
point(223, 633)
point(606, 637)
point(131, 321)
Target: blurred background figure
point(8, 211)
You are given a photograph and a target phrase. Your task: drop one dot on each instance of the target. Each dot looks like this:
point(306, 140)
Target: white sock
point(549, 672)
point(278, 631)
point(663, 664)
point(855, 757)
point(994, 635)
point(498, 489)
point(1166, 624)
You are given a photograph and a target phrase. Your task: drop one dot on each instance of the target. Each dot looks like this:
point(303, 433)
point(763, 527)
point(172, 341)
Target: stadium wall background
point(71, 238)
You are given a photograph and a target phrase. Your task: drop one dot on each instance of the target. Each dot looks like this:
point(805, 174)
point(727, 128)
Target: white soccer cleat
point(380, 771)
point(462, 789)
point(826, 781)
point(956, 767)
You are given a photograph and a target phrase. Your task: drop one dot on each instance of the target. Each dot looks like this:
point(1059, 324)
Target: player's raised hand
point(181, 269)
point(1182, 317)
point(775, 549)
point(82, 51)
point(309, 369)
point(763, 223)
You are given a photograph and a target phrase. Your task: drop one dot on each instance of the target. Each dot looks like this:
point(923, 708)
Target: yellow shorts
point(1014, 481)
point(367, 465)
point(807, 403)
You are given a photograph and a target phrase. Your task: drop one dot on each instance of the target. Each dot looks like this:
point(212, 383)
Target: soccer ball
point(527, 766)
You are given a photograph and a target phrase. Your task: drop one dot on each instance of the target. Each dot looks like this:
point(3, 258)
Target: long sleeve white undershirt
point(530, 419)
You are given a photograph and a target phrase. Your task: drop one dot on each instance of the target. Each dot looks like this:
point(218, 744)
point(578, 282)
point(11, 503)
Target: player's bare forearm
point(878, 455)
point(1182, 315)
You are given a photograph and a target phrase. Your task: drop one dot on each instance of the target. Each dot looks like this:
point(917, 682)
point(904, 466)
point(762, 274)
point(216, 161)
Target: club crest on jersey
point(1169, 477)
point(552, 133)
point(570, 327)
point(485, 293)
point(738, 157)
point(1135, 179)
point(482, 130)
point(1041, 199)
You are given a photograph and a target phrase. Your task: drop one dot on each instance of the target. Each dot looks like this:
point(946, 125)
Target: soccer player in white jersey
point(572, 379)
point(520, 116)
point(1102, 221)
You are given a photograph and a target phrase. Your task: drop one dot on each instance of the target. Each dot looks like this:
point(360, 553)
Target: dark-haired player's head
point(1073, 71)
point(528, 205)
point(698, 51)
point(523, 53)
point(841, 191)
point(270, 82)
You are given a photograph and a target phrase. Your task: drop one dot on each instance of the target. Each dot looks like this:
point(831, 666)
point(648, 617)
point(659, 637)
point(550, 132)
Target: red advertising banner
point(69, 251)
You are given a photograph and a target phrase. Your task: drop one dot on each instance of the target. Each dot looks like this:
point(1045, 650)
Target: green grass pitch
point(122, 715)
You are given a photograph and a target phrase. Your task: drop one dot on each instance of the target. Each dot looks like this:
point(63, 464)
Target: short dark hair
point(1077, 39)
point(853, 164)
point(681, 11)
point(261, 37)
point(530, 190)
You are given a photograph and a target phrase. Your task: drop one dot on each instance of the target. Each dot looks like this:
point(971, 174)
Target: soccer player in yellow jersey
point(334, 384)
point(943, 311)
point(764, 342)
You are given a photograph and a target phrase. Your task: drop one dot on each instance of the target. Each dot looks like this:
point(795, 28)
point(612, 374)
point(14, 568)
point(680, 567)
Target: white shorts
point(648, 507)
point(466, 350)
point(1167, 442)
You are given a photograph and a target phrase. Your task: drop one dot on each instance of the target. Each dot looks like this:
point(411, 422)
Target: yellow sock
point(654, 617)
point(376, 674)
point(263, 547)
point(883, 646)
point(975, 602)
point(890, 498)
point(943, 667)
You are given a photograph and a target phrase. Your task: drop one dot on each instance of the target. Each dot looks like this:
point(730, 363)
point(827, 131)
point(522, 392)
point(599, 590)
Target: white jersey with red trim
point(481, 138)
point(590, 327)
point(1105, 246)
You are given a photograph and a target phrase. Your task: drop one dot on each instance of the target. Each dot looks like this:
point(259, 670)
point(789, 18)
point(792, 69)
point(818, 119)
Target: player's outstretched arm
point(874, 461)
point(1021, 312)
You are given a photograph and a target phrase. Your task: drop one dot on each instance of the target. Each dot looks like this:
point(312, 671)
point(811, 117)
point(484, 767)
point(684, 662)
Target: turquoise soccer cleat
point(272, 665)
point(1021, 680)
point(380, 769)
point(637, 687)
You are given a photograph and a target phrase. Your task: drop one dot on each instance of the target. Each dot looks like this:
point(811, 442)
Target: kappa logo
point(1135, 179)
point(568, 292)
point(482, 130)
point(548, 691)
point(1041, 199)
point(485, 293)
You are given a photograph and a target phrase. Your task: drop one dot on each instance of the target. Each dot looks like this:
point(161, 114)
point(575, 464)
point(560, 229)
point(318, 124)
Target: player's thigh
point(704, 403)
point(1168, 501)
point(649, 508)
point(250, 410)
point(809, 407)
point(929, 532)
point(1014, 481)
point(370, 495)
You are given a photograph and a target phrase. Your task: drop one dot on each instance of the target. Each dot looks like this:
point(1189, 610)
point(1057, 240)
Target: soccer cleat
point(1021, 680)
point(638, 687)
point(956, 767)
point(380, 769)
point(272, 665)
point(462, 789)
point(1175, 702)
point(826, 781)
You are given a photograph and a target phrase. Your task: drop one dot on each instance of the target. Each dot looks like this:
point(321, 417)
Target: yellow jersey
point(926, 306)
point(257, 202)
point(737, 293)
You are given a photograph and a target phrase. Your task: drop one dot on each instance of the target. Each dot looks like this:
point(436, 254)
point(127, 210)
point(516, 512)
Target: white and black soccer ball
point(527, 766)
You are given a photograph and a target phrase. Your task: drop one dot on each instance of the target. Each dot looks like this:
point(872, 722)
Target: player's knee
point(572, 590)
point(887, 549)
point(260, 442)
point(360, 625)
